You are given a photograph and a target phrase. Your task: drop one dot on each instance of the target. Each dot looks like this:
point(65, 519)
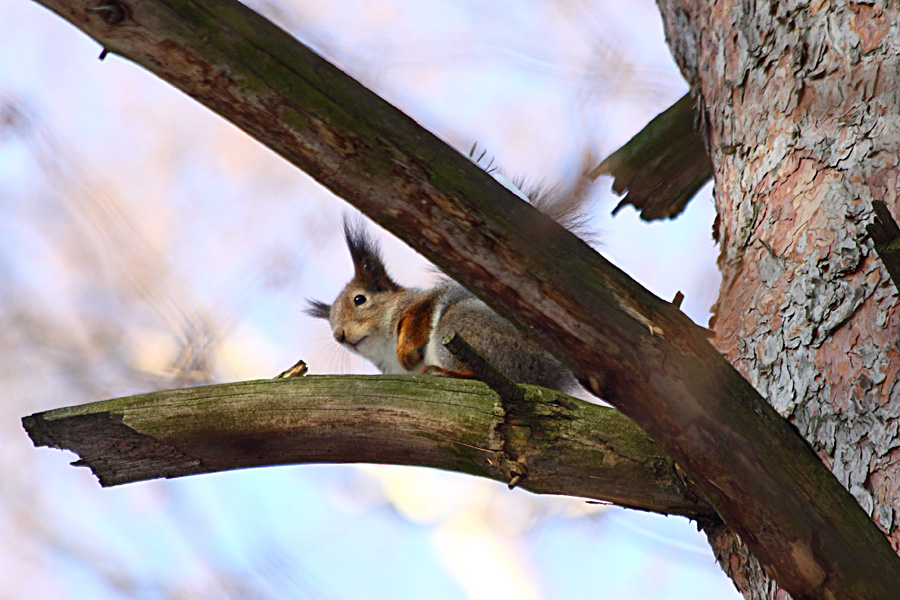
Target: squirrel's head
point(369, 273)
point(362, 316)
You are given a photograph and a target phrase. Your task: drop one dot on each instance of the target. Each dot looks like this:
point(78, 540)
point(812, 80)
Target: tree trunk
point(800, 106)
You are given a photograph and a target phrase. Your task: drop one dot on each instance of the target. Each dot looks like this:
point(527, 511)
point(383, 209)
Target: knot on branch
point(112, 12)
point(519, 415)
point(513, 429)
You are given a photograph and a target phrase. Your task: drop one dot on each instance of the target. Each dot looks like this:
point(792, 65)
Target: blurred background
point(145, 243)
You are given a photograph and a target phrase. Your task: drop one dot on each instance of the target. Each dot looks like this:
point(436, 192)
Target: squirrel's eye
point(359, 299)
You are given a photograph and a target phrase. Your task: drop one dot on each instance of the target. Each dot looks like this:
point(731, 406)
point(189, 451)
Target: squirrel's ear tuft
point(367, 263)
point(317, 309)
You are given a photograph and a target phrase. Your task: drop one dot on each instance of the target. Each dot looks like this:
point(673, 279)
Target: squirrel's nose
point(340, 336)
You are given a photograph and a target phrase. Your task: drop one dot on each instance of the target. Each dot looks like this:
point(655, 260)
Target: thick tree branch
point(635, 350)
point(569, 447)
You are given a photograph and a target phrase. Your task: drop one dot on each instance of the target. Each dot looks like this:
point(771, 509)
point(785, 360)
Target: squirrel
point(400, 329)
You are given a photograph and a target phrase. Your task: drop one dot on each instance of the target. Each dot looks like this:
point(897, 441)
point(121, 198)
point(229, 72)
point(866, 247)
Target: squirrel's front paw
point(442, 372)
point(411, 357)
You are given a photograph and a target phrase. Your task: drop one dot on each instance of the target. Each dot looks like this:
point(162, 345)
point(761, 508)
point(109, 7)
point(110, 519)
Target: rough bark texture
point(556, 444)
point(635, 350)
point(801, 107)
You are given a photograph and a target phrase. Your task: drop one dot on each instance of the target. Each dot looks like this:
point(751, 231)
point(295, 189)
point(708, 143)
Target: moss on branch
point(571, 447)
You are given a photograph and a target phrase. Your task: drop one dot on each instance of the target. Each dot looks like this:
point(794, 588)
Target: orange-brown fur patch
point(412, 332)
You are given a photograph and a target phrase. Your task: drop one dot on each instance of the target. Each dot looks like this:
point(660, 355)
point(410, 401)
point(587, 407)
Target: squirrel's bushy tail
point(568, 207)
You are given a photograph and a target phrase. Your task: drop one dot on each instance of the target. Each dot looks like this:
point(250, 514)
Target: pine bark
point(799, 102)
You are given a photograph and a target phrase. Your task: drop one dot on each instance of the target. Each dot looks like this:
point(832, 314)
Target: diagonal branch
point(635, 350)
point(570, 447)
